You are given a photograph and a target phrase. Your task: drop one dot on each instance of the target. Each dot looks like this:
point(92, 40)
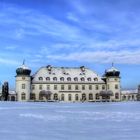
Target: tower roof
point(23, 70)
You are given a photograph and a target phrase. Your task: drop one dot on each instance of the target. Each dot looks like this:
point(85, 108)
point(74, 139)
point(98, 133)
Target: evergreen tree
point(5, 91)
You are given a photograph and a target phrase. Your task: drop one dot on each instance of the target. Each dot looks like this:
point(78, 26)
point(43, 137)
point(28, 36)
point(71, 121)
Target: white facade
point(67, 84)
point(129, 95)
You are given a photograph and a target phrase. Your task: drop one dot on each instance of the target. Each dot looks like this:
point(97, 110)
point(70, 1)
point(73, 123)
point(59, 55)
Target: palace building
point(67, 84)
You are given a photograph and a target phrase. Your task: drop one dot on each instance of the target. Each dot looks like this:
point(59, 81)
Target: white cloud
point(6, 61)
point(122, 57)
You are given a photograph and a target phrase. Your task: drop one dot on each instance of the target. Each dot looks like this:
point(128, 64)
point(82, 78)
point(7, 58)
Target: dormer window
point(47, 78)
point(82, 68)
point(40, 78)
point(62, 79)
point(54, 78)
point(89, 79)
point(75, 79)
point(82, 79)
point(95, 79)
point(49, 67)
point(68, 79)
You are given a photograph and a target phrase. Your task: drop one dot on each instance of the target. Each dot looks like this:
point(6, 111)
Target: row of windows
point(116, 86)
point(62, 98)
point(68, 79)
point(69, 87)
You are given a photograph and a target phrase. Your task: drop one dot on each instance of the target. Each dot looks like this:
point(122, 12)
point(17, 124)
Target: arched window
point(116, 95)
point(32, 96)
point(62, 79)
point(95, 79)
point(68, 79)
point(54, 78)
point(69, 97)
point(124, 97)
point(132, 97)
point(89, 79)
point(40, 78)
point(13, 98)
point(23, 96)
point(76, 97)
point(82, 79)
point(55, 96)
point(47, 78)
point(83, 97)
point(90, 96)
point(75, 79)
point(62, 97)
point(97, 96)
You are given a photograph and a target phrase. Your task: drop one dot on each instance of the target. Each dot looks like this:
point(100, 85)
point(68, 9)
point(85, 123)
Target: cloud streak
point(123, 57)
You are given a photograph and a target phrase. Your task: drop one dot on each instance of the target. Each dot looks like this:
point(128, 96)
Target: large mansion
point(68, 84)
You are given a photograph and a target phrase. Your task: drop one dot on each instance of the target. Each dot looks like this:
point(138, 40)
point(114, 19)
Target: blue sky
point(71, 33)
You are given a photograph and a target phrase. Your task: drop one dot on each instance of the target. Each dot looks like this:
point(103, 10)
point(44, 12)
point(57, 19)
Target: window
point(103, 87)
point(41, 96)
point(97, 96)
point(23, 96)
point(54, 78)
point(62, 87)
point(83, 97)
point(32, 96)
point(23, 78)
point(116, 86)
point(83, 87)
point(75, 79)
point(33, 87)
point(96, 87)
point(90, 87)
point(48, 87)
point(40, 87)
point(69, 87)
point(62, 97)
point(89, 79)
point(82, 79)
point(69, 97)
point(90, 96)
point(40, 78)
point(55, 87)
point(116, 79)
point(23, 86)
point(107, 86)
point(95, 79)
point(62, 79)
point(47, 78)
point(76, 87)
point(76, 97)
point(116, 95)
point(55, 96)
point(68, 79)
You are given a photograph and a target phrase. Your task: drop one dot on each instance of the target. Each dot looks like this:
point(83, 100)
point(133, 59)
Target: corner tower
point(23, 83)
point(112, 77)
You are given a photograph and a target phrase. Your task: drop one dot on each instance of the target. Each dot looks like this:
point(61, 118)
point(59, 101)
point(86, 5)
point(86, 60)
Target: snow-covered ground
point(70, 121)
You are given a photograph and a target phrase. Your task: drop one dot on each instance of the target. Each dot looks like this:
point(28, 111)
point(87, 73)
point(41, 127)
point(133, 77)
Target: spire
point(112, 64)
point(23, 62)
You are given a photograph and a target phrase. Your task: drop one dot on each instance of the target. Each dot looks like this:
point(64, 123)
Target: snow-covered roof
point(24, 67)
point(112, 69)
point(65, 72)
point(12, 92)
point(129, 91)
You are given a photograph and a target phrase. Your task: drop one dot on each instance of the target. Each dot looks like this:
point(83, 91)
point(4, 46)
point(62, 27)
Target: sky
point(93, 33)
